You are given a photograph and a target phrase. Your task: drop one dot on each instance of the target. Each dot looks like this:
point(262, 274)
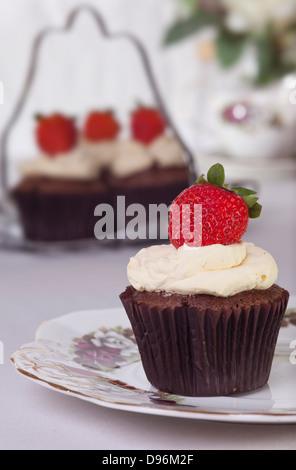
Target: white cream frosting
point(72, 165)
point(166, 152)
point(131, 157)
point(216, 269)
point(123, 158)
point(102, 152)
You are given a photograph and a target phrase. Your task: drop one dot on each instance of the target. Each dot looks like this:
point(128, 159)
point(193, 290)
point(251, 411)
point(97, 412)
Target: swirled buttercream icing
point(73, 165)
point(102, 152)
point(216, 269)
point(132, 157)
point(167, 152)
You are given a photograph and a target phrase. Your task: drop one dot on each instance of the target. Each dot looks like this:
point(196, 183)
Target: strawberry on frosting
point(101, 126)
point(225, 212)
point(56, 134)
point(147, 124)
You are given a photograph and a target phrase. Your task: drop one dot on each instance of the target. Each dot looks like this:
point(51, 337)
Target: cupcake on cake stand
point(55, 199)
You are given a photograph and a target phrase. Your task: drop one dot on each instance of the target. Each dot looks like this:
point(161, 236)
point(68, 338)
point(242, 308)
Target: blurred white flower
point(257, 15)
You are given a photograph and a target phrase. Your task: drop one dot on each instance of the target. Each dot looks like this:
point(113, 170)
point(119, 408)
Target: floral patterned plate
point(92, 355)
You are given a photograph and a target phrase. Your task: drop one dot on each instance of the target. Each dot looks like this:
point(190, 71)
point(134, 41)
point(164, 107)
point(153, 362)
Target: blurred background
point(225, 70)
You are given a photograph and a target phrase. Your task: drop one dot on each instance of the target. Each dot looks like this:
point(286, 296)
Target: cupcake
point(205, 308)
point(60, 188)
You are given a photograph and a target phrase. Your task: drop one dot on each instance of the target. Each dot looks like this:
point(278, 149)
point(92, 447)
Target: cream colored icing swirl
point(132, 157)
point(123, 158)
point(102, 152)
point(73, 165)
point(166, 152)
point(216, 269)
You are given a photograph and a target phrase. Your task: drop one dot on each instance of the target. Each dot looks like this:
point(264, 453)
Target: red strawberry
point(101, 125)
point(147, 124)
point(56, 134)
point(224, 213)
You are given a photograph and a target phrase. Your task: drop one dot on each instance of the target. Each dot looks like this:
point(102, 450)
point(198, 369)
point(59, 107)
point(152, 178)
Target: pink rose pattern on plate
point(106, 349)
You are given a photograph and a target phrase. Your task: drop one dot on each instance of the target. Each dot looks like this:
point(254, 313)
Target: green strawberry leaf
point(243, 192)
point(38, 117)
point(201, 180)
point(216, 175)
point(250, 201)
point(255, 211)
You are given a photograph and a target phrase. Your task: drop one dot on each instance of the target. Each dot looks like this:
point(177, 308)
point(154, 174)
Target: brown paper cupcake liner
point(194, 351)
point(57, 217)
point(48, 214)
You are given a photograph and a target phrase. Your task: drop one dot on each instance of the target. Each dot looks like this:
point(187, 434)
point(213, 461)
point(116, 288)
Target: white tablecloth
point(35, 287)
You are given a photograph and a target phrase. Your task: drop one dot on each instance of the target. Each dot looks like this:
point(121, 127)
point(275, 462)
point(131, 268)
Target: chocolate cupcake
point(206, 318)
point(60, 188)
point(200, 345)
